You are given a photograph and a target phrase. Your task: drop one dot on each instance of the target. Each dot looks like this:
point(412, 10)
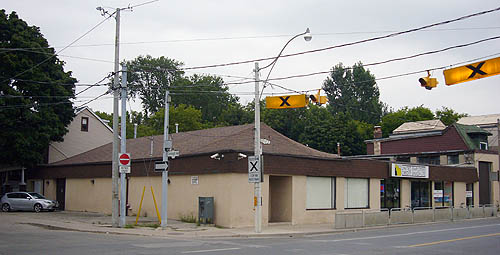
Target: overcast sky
point(202, 32)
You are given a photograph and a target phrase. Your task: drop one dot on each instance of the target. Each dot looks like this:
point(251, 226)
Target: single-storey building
point(301, 185)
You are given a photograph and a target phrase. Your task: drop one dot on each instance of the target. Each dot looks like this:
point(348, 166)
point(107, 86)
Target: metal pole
point(257, 153)
point(167, 145)
point(114, 198)
point(135, 130)
point(123, 148)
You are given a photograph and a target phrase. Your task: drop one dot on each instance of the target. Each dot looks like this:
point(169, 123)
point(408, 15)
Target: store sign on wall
point(409, 171)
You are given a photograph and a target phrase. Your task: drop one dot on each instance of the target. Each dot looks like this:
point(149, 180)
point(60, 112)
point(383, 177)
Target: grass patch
point(129, 226)
point(188, 218)
point(150, 225)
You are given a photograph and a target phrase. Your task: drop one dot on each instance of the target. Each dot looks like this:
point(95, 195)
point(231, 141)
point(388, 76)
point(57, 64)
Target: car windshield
point(36, 195)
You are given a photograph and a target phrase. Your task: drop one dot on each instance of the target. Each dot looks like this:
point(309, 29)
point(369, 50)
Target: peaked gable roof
point(419, 126)
point(86, 108)
point(233, 138)
point(481, 120)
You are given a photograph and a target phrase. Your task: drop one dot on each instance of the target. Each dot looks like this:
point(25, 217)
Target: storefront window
point(356, 193)
point(389, 193)
point(443, 194)
point(469, 194)
point(420, 194)
point(320, 192)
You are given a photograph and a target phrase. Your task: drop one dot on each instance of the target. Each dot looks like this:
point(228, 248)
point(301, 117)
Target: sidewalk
point(148, 226)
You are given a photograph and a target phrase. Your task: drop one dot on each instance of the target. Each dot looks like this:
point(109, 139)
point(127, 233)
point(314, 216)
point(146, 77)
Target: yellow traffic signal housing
point(317, 99)
point(428, 82)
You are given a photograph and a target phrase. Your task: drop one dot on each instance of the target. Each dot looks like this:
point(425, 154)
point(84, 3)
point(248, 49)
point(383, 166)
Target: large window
point(443, 193)
point(356, 193)
point(431, 160)
point(453, 159)
point(389, 193)
point(320, 192)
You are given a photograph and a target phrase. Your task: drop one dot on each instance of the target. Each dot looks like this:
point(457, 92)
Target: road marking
point(404, 234)
point(201, 251)
point(453, 240)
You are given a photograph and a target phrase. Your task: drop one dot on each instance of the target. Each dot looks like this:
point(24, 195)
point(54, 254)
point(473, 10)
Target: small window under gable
point(483, 146)
point(85, 124)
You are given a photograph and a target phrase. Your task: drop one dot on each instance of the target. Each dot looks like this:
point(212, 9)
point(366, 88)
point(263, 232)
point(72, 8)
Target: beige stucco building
point(301, 185)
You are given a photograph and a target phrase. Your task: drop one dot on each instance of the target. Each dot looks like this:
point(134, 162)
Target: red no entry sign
point(124, 159)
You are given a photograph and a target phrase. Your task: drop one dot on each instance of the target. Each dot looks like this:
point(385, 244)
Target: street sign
point(124, 159)
point(172, 154)
point(472, 71)
point(283, 102)
point(254, 173)
point(161, 166)
point(124, 169)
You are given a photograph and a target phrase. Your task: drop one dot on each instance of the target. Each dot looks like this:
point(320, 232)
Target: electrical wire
point(55, 54)
point(351, 43)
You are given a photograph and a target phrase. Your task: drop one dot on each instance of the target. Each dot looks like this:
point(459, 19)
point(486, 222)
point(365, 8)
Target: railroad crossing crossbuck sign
point(254, 169)
point(287, 101)
point(472, 71)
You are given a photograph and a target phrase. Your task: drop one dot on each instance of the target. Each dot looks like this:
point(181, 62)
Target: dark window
point(431, 160)
point(85, 124)
point(469, 194)
point(483, 146)
point(389, 193)
point(403, 158)
point(420, 194)
point(453, 159)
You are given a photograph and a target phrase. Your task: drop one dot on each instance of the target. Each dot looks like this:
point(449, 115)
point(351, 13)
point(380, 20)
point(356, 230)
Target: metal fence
point(369, 218)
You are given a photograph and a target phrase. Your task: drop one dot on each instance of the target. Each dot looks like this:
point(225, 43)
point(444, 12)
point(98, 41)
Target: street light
point(257, 149)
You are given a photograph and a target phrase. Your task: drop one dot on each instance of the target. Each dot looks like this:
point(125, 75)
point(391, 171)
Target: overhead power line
point(351, 43)
point(55, 54)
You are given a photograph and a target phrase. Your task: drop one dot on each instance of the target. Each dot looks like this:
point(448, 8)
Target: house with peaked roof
point(301, 185)
point(85, 132)
point(457, 145)
point(487, 122)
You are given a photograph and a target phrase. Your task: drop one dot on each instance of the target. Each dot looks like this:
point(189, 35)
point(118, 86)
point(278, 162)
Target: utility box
point(206, 210)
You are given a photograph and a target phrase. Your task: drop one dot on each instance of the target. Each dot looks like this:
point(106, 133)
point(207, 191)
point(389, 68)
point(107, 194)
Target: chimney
point(377, 132)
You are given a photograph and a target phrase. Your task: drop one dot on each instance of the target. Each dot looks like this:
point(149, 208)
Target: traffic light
point(317, 99)
point(428, 82)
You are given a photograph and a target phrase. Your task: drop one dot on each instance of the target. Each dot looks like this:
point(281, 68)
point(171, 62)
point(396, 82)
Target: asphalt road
point(467, 237)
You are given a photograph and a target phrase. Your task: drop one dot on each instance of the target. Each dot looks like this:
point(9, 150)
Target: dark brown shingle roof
point(234, 138)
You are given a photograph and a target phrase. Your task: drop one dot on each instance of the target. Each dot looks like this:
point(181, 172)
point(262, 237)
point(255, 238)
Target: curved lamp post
point(257, 149)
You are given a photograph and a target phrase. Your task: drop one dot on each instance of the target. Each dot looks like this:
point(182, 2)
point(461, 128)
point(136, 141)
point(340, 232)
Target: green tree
point(35, 93)
point(289, 122)
point(353, 91)
point(148, 78)
point(393, 120)
point(205, 93)
point(186, 116)
point(449, 116)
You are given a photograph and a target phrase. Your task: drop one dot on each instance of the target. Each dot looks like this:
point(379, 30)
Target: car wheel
point(5, 207)
point(37, 208)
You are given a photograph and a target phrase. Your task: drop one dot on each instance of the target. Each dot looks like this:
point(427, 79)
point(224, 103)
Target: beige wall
point(83, 195)
point(459, 194)
point(76, 141)
point(50, 189)
point(405, 194)
point(280, 198)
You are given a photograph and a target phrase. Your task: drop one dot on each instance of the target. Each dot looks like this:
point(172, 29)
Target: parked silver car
point(27, 201)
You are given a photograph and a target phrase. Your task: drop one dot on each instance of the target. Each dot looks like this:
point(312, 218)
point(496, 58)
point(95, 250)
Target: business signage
point(409, 171)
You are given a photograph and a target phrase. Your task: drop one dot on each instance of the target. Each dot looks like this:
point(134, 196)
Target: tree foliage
point(394, 119)
point(354, 92)
point(35, 93)
point(150, 77)
point(449, 116)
